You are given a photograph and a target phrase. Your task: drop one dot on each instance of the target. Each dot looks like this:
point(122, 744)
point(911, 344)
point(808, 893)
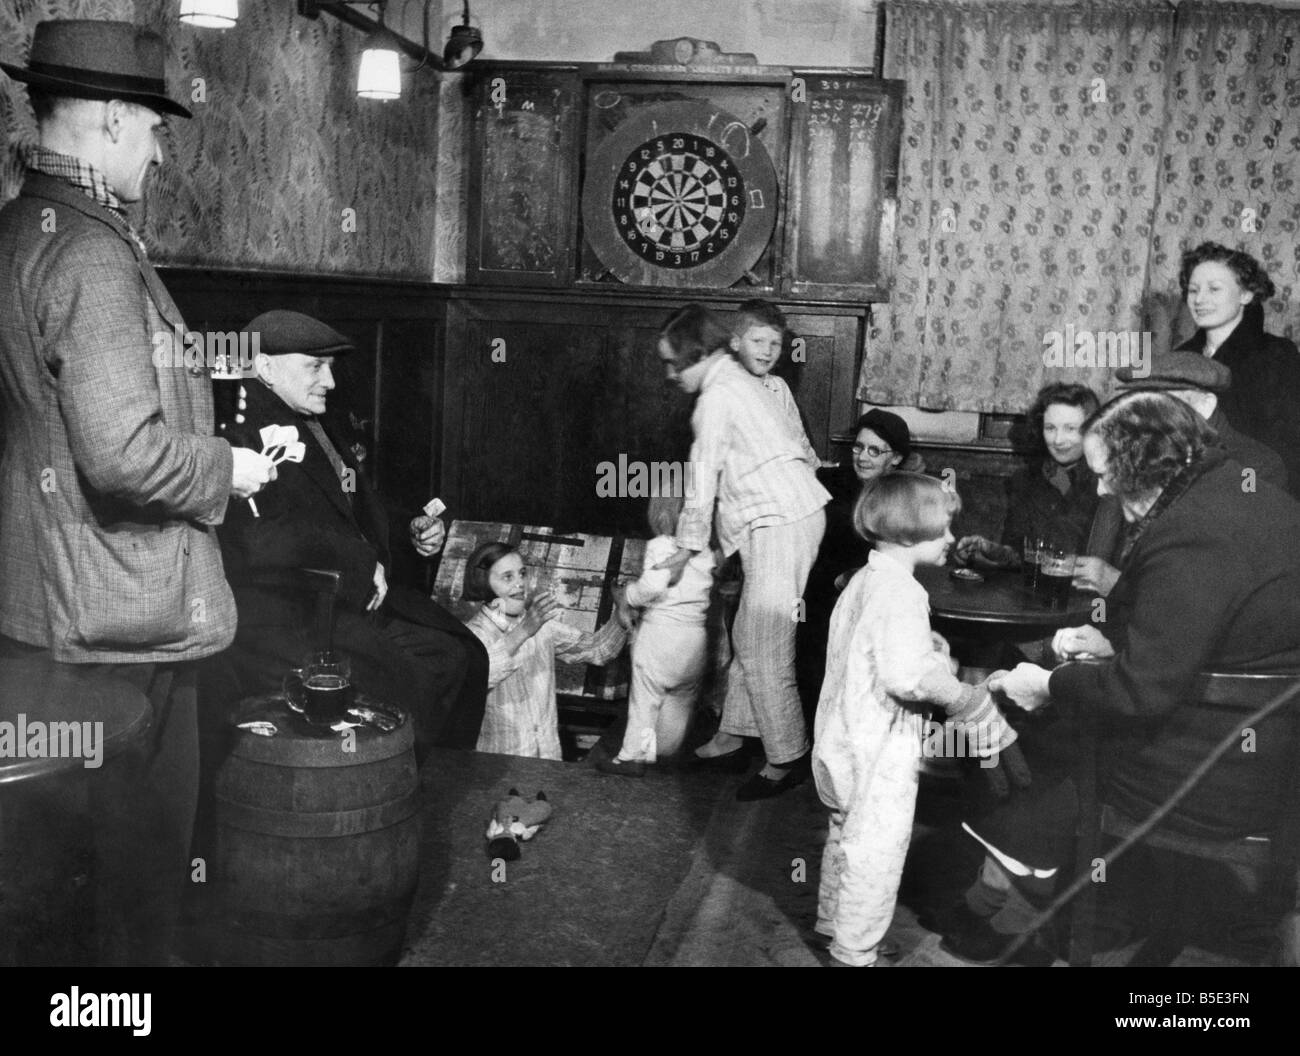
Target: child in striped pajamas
point(522, 642)
point(884, 668)
point(746, 463)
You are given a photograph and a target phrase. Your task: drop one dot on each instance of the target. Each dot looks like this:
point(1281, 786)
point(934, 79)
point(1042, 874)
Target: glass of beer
point(1055, 570)
point(321, 689)
point(1029, 556)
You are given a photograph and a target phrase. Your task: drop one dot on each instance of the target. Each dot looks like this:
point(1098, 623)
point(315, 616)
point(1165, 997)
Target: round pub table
point(54, 719)
point(981, 618)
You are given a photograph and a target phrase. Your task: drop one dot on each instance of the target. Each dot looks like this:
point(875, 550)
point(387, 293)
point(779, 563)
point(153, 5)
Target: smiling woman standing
point(1225, 291)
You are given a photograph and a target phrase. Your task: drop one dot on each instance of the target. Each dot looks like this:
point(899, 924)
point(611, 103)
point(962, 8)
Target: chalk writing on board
point(520, 214)
point(849, 152)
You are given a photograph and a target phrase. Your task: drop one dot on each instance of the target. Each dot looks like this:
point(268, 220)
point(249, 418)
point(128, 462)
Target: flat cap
point(281, 333)
point(1179, 370)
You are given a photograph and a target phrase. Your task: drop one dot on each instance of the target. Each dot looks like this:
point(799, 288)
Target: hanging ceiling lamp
point(210, 14)
point(380, 73)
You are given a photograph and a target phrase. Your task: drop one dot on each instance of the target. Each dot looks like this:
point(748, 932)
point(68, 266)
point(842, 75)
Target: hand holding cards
point(427, 532)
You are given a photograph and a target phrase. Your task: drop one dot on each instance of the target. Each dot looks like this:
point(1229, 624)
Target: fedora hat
point(91, 59)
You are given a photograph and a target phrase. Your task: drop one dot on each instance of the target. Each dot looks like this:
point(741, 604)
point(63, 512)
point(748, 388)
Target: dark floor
point(665, 870)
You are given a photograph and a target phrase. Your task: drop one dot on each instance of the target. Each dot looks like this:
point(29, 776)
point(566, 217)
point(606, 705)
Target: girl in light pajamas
point(669, 650)
point(884, 667)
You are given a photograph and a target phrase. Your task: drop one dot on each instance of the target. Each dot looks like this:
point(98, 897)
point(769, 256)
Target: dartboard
point(679, 200)
point(681, 194)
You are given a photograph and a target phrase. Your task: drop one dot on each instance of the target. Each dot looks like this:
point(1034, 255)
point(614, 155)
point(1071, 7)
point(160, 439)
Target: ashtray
point(966, 575)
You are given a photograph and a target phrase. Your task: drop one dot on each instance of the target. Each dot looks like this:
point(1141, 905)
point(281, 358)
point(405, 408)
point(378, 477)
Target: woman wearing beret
point(882, 444)
point(1225, 291)
point(1211, 582)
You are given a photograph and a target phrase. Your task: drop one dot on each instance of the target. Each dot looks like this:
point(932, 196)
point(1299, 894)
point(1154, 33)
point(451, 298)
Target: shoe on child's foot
point(623, 767)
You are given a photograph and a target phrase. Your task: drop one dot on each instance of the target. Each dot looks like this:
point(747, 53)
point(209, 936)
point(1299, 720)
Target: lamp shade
point(380, 75)
point(210, 14)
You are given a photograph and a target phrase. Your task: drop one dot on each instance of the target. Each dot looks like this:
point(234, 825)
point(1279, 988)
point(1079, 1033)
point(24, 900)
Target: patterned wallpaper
point(279, 148)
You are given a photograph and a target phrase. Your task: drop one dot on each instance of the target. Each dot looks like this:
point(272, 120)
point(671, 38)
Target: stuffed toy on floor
point(515, 819)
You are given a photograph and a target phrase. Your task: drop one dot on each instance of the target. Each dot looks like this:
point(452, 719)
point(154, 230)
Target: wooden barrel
point(316, 858)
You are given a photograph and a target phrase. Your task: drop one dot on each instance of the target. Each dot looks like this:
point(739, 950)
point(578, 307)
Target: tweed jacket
point(111, 481)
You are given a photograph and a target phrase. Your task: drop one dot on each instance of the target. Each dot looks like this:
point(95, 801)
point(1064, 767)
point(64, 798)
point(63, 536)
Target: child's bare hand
point(624, 612)
point(677, 564)
point(543, 609)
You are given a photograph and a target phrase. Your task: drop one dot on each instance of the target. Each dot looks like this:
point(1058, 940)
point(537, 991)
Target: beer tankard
point(1055, 571)
point(321, 689)
point(1031, 548)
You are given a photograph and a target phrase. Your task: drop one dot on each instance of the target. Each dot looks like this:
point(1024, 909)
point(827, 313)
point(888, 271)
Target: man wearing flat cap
point(1198, 381)
point(322, 513)
point(112, 482)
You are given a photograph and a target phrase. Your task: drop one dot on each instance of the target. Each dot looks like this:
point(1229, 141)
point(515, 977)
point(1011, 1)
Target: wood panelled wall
point(505, 404)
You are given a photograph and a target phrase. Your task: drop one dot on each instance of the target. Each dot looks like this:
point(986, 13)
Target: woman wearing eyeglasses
point(882, 444)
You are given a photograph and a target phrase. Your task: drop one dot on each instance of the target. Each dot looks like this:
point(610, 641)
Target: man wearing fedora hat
point(112, 482)
point(323, 513)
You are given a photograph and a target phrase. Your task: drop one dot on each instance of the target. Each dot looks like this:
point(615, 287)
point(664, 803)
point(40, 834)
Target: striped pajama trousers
point(762, 695)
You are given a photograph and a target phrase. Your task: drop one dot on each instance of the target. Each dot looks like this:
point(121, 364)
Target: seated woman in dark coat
point(882, 444)
point(1056, 495)
point(1210, 581)
point(1225, 290)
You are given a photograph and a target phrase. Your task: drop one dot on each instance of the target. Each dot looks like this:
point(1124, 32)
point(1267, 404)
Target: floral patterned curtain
point(1031, 151)
point(1231, 168)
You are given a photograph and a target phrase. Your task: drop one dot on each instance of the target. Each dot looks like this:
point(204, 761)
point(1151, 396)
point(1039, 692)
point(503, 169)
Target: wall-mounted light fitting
point(380, 74)
point(464, 44)
point(210, 14)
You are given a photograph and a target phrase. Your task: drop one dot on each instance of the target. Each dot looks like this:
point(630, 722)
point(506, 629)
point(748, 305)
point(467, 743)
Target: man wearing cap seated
point(1198, 381)
point(323, 513)
point(112, 481)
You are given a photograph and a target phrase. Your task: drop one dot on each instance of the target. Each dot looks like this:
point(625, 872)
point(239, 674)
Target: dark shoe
point(623, 767)
point(979, 943)
point(760, 787)
point(734, 762)
point(950, 919)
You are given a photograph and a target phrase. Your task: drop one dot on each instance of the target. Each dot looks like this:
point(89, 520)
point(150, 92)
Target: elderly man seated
point(322, 513)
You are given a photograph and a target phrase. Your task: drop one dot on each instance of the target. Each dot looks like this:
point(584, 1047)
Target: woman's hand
point(543, 609)
point(1025, 686)
point(1081, 643)
point(983, 553)
point(1092, 573)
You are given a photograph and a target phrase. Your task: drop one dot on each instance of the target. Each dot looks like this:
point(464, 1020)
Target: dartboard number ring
point(679, 200)
point(680, 195)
